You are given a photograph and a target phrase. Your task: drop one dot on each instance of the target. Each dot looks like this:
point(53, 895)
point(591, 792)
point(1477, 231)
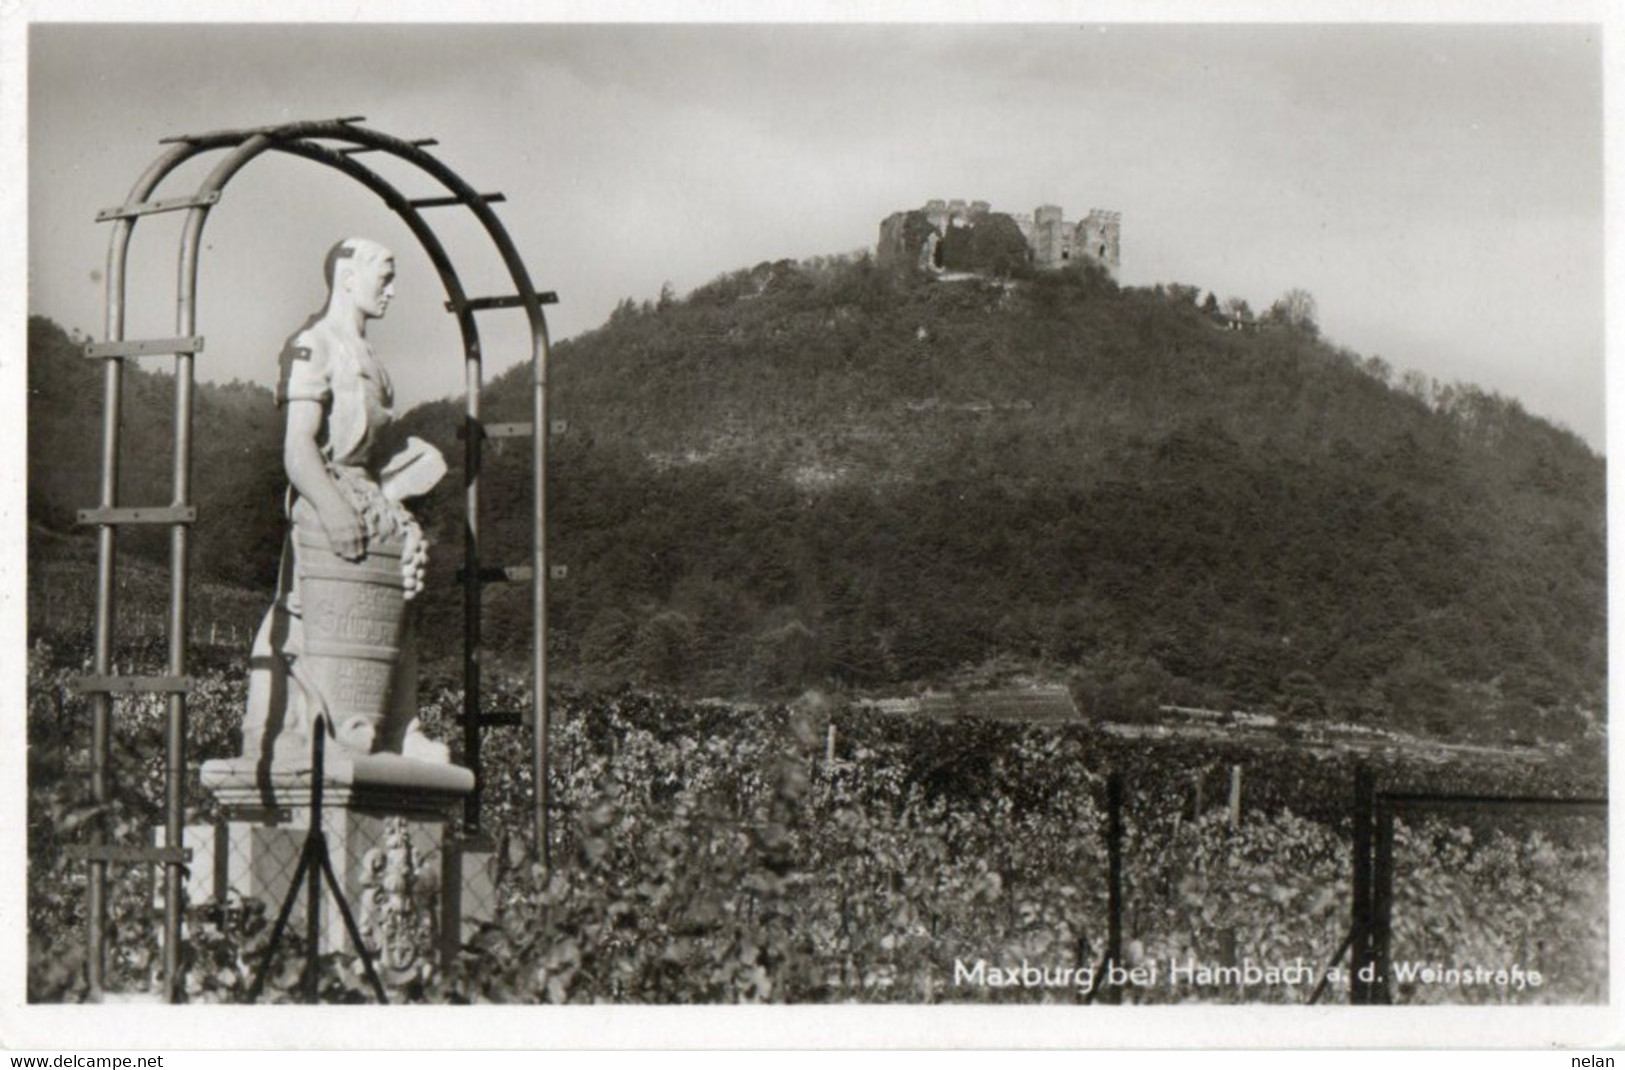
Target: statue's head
point(360, 273)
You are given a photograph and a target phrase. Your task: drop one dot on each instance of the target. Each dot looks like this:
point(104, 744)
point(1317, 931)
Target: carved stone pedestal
point(391, 837)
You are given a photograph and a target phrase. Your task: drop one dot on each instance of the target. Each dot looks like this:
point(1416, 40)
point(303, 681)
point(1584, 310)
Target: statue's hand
point(346, 534)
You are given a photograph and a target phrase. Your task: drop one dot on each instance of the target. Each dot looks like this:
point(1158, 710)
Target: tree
point(608, 642)
point(1182, 294)
point(663, 649)
point(993, 246)
point(1416, 385)
point(1301, 696)
point(787, 656)
point(1296, 309)
point(1238, 309)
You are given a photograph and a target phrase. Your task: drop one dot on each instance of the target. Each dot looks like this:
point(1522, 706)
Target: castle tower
point(1049, 243)
point(1099, 238)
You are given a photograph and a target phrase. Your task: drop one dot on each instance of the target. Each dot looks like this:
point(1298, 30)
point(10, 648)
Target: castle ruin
point(916, 236)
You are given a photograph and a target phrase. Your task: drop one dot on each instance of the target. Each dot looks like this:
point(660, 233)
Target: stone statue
point(337, 637)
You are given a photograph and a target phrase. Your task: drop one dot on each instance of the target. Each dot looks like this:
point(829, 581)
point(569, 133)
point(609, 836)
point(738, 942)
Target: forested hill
point(826, 474)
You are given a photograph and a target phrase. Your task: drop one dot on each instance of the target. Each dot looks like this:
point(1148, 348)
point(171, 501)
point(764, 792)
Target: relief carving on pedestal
point(394, 925)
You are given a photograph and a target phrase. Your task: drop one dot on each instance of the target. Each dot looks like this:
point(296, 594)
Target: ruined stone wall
point(890, 250)
point(904, 237)
point(1052, 240)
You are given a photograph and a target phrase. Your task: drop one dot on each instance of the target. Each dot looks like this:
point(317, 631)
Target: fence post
point(1382, 904)
point(1114, 882)
point(1235, 796)
point(1360, 927)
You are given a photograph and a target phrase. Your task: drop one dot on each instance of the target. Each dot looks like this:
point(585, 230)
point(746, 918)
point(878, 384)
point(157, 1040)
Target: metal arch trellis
point(334, 143)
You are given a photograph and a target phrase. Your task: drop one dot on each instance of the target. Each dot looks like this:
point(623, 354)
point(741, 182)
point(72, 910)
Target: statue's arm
point(302, 457)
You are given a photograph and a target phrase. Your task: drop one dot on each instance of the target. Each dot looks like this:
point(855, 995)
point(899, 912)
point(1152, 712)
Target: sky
point(1437, 187)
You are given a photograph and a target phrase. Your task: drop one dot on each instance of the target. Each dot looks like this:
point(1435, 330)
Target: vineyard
point(62, 596)
point(708, 852)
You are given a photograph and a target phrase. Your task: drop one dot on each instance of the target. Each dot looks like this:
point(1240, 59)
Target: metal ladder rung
point(479, 304)
point(150, 347)
point(112, 852)
point(495, 574)
point(452, 202)
point(516, 430)
point(524, 430)
point(126, 685)
point(172, 204)
point(416, 143)
point(146, 514)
